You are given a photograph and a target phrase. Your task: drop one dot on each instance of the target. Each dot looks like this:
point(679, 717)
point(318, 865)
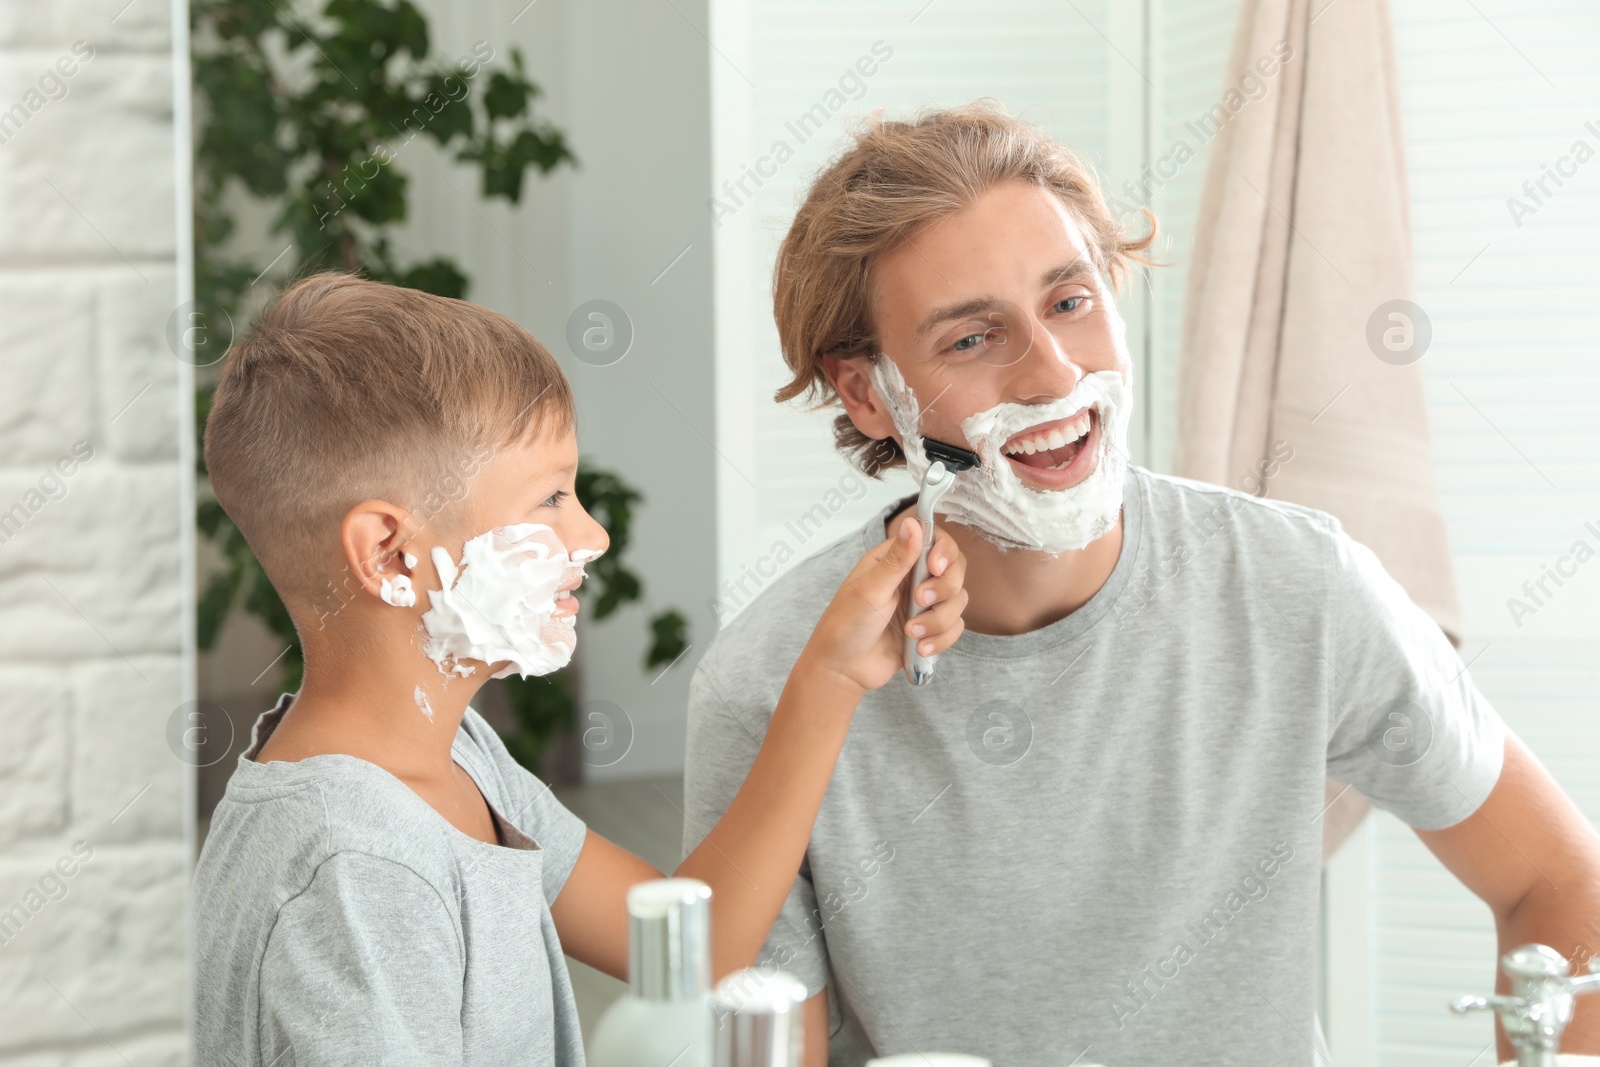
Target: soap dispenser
point(665, 1016)
point(760, 1019)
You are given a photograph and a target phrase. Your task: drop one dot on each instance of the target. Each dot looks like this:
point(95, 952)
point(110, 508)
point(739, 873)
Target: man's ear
point(852, 382)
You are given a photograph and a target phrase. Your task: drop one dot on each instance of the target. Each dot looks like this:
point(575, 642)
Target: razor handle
point(937, 482)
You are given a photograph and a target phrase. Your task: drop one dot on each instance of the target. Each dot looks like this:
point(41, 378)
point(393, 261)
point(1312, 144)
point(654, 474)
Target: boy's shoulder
point(283, 832)
point(278, 823)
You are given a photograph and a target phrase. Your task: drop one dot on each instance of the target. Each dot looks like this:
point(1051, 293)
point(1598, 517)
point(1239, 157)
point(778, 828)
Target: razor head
point(956, 459)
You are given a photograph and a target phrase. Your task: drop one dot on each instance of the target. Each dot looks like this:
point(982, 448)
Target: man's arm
point(1530, 854)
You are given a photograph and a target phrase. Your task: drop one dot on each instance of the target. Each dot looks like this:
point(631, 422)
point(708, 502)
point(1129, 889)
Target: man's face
point(998, 303)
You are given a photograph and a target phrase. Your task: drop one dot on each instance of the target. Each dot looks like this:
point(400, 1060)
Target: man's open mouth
point(1052, 445)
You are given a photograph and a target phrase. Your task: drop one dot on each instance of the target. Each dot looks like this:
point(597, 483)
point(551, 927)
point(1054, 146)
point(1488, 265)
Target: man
point(1094, 837)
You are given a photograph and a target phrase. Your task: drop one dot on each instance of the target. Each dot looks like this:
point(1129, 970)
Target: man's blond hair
point(348, 390)
point(895, 178)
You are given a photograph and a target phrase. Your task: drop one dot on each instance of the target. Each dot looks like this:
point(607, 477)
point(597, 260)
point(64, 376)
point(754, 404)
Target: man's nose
point(1045, 366)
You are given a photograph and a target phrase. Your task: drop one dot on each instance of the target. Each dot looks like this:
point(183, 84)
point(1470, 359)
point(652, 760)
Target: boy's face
point(494, 584)
point(534, 481)
point(1000, 303)
point(490, 580)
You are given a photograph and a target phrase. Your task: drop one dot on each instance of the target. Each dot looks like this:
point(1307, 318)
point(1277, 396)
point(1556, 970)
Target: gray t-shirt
point(340, 920)
point(1101, 838)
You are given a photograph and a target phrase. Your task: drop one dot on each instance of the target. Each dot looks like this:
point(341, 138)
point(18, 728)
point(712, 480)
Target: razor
point(947, 461)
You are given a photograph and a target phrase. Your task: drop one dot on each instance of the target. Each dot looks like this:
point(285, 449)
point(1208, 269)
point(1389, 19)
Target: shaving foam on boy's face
point(505, 601)
point(994, 500)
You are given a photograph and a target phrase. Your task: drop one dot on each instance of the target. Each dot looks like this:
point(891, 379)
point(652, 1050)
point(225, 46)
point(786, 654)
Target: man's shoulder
point(1185, 508)
point(760, 640)
point(1228, 545)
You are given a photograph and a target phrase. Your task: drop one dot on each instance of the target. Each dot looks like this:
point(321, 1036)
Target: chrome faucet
point(1541, 1001)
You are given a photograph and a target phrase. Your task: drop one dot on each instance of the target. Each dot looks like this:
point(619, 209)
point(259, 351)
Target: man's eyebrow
point(1078, 268)
point(950, 312)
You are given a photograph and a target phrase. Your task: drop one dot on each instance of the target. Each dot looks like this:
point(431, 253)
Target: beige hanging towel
point(1292, 340)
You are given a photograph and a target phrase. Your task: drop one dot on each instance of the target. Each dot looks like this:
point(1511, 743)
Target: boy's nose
point(591, 541)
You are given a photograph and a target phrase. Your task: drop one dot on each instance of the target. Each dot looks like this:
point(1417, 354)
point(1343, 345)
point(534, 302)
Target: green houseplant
point(306, 114)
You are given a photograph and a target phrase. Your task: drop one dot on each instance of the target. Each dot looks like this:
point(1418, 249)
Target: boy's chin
point(547, 660)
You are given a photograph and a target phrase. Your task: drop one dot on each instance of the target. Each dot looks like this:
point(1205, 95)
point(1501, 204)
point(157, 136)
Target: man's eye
point(1073, 300)
point(995, 334)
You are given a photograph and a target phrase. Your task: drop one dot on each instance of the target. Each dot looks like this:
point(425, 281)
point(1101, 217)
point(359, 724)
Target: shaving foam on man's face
point(998, 334)
point(1081, 438)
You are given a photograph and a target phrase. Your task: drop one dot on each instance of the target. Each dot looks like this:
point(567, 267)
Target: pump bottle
point(760, 1019)
point(665, 1017)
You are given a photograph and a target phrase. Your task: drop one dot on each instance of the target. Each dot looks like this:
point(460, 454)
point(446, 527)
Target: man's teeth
point(1056, 438)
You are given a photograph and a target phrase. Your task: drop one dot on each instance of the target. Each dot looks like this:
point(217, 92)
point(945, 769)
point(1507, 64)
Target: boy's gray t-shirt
point(1101, 839)
point(340, 920)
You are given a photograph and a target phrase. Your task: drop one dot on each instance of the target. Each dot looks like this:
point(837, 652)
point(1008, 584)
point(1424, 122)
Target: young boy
point(381, 882)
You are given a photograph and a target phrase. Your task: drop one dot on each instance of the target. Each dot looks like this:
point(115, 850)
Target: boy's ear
point(373, 537)
point(852, 383)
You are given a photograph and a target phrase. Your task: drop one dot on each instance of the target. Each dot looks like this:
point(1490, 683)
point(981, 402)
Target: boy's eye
point(556, 498)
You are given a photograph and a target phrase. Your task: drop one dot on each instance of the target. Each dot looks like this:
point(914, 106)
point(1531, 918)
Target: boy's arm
point(591, 911)
point(816, 1026)
point(752, 854)
point(749, 858)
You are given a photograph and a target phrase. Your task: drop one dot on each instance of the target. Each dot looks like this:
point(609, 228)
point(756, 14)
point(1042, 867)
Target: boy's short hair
point(348, 390)
point(896, 177)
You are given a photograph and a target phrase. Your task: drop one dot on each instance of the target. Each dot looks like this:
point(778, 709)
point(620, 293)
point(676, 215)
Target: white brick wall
point(93, 861)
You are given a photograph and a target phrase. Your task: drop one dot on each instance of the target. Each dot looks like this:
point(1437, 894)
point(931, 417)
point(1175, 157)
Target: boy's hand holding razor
point(860, 641)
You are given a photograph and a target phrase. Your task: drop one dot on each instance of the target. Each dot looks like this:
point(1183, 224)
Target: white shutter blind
point(1190, 40)
point(1491, 97)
